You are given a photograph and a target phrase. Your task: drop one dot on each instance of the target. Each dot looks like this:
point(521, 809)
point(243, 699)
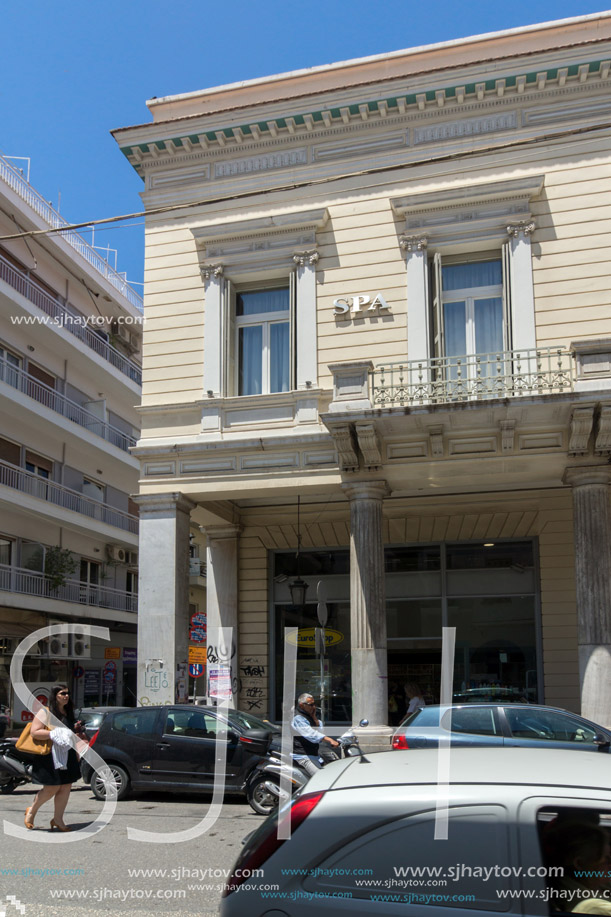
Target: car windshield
point(248, 721)
point(426, 716)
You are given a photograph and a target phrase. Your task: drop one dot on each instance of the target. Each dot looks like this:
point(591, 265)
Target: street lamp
point(298, 587)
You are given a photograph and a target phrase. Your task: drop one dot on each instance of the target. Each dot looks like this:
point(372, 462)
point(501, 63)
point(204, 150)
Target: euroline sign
point(354, 304)
point(307, 637)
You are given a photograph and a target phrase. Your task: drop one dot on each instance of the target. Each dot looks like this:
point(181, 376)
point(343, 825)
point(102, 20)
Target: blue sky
point(71, 71)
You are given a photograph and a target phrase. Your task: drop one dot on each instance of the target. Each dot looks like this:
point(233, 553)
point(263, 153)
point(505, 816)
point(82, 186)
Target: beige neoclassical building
point(378, 325)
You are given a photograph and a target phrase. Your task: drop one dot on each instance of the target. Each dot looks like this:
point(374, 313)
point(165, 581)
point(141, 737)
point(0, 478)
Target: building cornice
point(297, 125)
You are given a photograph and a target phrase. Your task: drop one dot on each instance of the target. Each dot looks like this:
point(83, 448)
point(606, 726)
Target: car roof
point(479, 766)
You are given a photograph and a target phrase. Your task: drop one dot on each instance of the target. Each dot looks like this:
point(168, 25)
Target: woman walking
point(56, 782)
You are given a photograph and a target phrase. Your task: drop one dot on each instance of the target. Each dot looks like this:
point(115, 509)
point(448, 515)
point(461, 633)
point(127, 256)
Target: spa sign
point(362, 302)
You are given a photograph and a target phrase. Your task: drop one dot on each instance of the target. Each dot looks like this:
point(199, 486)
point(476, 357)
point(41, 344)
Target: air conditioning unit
point(116, 553)
point(134, 341)
point(132, 558)
point(80, 646)
point(56, 646)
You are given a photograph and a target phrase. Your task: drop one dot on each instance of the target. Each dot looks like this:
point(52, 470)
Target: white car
point(363, 837)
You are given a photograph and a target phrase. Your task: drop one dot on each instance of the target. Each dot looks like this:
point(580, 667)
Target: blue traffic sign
point(196, 670)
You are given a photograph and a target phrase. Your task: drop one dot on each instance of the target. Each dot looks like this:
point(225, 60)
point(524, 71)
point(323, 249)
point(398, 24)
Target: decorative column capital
point(521, 228)
point(413, 243)
point(309, 256)
point(220, 532)
point(366, 490)
point(211, 270)
point(579, 475)
point(163, 504)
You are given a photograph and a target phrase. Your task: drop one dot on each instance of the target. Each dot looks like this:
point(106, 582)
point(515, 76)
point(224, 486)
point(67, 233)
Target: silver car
point(383, 836)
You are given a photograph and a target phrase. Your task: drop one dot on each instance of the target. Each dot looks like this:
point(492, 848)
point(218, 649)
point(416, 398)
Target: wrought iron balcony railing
point(44, 489)
point(64, 318)
point(447, 380)
point(36, 201)
point(43, 394)
point(31, 582)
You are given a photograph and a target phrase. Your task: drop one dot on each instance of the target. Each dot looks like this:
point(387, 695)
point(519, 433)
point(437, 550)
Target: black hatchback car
point(505, 724)
point(172, 748)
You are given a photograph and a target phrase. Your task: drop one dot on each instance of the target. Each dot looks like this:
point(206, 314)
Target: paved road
point(99, 866)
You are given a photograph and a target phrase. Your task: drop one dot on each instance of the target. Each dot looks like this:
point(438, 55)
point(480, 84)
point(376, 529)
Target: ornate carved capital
point(344, 443)
point(413, 243)
point(521, 227)
point(310, 256)
point(211, 270)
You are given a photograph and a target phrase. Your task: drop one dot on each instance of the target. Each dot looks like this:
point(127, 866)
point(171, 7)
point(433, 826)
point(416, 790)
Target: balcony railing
point(64, 318)
point(43, 394)
point(447, 380)
point(27, 193)
point(43, 489)
point(31, 582)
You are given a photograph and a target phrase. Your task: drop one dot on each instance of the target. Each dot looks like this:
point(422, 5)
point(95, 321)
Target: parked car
point(366, 838)
point(173, 748)
point(91, 717)
point(491, 694)
point(500, 724)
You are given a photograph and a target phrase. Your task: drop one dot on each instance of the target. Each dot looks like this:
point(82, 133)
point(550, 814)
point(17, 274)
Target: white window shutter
point(437, 307)
point(293, 330)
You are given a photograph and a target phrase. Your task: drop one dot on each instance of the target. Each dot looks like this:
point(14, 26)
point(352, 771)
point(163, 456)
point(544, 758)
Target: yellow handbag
point(31, 746)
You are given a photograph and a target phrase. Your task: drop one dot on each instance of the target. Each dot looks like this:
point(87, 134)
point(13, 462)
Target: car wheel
point(260, 799)
point(121, 779)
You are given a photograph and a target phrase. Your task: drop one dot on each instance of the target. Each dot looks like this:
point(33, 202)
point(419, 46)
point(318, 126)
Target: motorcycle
point(265, 790)
point(13, 769)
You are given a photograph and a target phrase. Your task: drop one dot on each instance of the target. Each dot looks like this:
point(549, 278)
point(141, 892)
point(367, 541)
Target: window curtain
point(251, 360)
point(475, 274)
point(279, 357)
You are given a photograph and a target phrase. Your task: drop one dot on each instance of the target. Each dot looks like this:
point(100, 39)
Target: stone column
point(368, 610)
point(222, 596)
point(163, 601)
point(592, 535)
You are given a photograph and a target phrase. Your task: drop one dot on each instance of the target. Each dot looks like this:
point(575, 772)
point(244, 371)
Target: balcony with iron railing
point(43, 489)
point(62, 317)
point(479, 377)
point(31, 582)
point(26, 384)
point(15, 180)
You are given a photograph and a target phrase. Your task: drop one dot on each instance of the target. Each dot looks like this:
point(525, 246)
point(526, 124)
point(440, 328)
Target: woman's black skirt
point(44, 772)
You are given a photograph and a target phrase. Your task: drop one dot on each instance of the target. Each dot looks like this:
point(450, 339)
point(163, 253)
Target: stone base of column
point(374, 737)
point(595, 669)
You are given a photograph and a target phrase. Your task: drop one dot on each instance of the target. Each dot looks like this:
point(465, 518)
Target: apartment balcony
point(55, 401)
point(65, 498)
point(15, 180)
point(62, 317)
point(19, 581)
point(451, 380)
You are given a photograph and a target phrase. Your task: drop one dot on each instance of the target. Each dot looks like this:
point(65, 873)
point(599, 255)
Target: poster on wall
point(182, 684)
point(219, 682)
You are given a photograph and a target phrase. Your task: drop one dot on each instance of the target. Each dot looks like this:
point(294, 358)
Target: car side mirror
point(231, 736)
point(601, 740)
point(364, 723)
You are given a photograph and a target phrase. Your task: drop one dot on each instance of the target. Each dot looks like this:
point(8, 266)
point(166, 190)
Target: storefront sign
point(112, 652)
point(306, 636)
point(356, 304)
point(130, 654)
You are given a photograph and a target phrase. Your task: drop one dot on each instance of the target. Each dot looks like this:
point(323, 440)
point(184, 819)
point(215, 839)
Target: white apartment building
point(70, 381)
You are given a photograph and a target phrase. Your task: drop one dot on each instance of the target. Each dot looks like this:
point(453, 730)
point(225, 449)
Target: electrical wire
point(309, 183)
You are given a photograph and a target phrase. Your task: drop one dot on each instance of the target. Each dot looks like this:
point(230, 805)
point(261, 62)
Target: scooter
point(264, 789)
point(13, 770)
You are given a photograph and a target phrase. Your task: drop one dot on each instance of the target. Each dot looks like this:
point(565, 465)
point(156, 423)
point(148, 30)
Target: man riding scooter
point(307, 736)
